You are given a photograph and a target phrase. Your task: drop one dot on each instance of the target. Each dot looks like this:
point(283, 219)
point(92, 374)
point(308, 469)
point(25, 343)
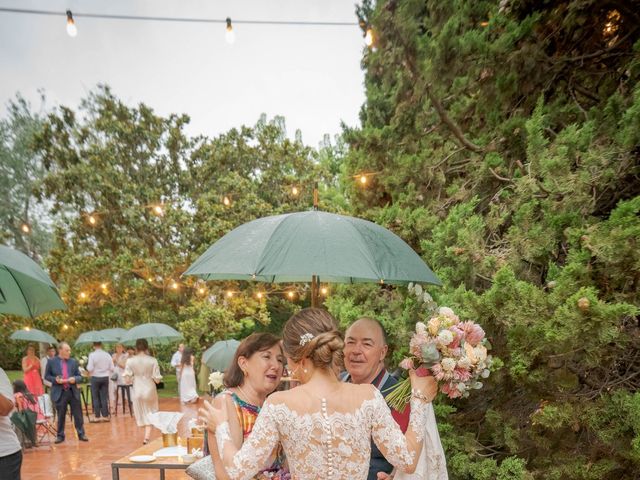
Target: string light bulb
point(229, 293)
point(157, 209)
point(83, 296)
point(72, 30)
point(92, 220)
point(201, 290)
point(229, 34)
point(295, 191)
point(324, 290)
point(368, 37)
point(175, 285)
point(65, 327)
point(103, 286)
point(25, 228)
point(290, 294)
point(226, 201)
point(363, 179)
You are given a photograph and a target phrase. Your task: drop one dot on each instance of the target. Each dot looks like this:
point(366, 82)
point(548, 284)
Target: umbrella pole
point(314, 290)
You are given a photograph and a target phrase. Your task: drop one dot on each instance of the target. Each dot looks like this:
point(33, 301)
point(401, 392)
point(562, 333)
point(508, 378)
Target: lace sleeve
point(402, 451)
point(256, 450)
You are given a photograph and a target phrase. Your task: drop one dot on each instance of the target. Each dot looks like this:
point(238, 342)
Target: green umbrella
point(25, 288)
point(89, 338)
point(116, 332)
point(33, 335)
point(154, 333)
point(219, 356)
point(311, 247)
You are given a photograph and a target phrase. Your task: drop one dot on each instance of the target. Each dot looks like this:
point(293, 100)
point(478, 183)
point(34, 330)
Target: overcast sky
point(309, 74)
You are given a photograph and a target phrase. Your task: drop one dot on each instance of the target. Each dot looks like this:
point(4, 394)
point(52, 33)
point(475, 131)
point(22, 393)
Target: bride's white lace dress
point(325, 440)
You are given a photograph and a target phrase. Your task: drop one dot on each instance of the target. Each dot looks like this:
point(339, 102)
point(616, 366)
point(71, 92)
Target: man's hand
point(72, 380)
point(59, 380)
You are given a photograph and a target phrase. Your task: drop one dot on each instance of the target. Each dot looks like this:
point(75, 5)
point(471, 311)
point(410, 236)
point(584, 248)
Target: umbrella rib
point(21, 291)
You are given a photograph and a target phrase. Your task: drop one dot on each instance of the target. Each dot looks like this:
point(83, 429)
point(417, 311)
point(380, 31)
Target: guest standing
point(365, 349)
point(51, 352)
point(100, 367)
point(254, 373)
point(31, 369)
point(10, 450)
point(144, 372)
point(187, 378)
point(176, 362)
point(119, 360)
point(64, 374)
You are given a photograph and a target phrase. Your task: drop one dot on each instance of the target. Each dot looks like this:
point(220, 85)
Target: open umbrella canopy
point(89, 338)
point(154, 333)
point(33, 335)
point(298, 246)
point(25, 288)
point(116, 332)
point(219, 356)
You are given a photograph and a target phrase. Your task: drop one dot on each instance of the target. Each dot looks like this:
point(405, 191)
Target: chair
point(45, 426)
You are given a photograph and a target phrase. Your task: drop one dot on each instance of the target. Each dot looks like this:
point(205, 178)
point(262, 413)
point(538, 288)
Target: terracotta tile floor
point(75, 460)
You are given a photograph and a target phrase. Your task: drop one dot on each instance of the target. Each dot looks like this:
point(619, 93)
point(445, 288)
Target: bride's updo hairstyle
point(311, 333)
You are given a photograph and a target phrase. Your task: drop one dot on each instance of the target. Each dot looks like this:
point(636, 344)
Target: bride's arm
point(402, 451)
point(256, 450)
point(224, 401)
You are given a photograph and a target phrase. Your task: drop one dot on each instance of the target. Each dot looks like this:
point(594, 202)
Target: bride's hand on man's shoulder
point(212, 416)
point(425, 386)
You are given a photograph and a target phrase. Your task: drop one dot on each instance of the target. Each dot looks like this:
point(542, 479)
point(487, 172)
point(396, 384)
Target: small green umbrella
point(89, 338)
point(25, 288)
point(116, 332)
point(154, 333)
point(33, 335)
point(219, 356)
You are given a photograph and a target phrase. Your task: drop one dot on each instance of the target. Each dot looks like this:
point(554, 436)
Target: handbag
point(202, 469)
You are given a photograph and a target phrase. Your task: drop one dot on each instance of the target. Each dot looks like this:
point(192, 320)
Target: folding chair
point(45, 426)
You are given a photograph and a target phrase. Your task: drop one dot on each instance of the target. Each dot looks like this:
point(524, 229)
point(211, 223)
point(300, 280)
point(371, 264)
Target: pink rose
point(473, 333)
point(450, 391)
point(406, 364)
point(438, 372)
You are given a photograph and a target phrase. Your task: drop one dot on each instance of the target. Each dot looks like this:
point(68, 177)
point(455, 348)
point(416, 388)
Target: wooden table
point(162, 463)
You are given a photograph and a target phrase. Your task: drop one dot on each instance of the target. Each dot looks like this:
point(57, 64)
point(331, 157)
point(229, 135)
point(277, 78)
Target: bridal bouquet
point(216, 381)
point(454, 352)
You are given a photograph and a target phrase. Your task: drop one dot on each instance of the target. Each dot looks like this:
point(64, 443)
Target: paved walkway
point(75, 460)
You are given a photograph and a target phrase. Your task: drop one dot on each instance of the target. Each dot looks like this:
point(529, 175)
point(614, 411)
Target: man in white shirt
point(176, 360)
point(10, 450)
point(51, 352)
point(100, 367)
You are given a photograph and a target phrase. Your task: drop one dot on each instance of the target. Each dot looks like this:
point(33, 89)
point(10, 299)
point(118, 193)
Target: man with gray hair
point(365, 349)
point(64, 374)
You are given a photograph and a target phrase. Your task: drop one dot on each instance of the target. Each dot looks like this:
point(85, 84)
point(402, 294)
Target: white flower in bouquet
point(448, 364)
point(216, 380)
point(421, 328)
point(83, 360)
point(445, 337)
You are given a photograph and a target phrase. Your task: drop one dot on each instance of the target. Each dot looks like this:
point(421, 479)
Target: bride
point(324, 425)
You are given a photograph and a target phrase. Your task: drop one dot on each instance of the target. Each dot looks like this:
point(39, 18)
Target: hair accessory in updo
point(305, 338)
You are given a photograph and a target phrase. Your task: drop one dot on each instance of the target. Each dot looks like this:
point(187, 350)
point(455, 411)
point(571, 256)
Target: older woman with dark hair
point(254, 373)
point(143, 371)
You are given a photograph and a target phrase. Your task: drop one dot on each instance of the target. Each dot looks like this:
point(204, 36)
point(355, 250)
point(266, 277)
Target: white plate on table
point(142, 458)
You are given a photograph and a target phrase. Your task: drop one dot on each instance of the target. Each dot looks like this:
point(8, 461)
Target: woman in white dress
point(144, 372)
point(119, 361)
point(187, 378)
point(324, 425)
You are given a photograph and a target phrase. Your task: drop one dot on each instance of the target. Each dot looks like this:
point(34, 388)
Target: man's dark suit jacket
point(54, 369)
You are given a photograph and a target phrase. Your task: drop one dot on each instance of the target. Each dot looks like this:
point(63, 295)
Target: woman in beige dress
point(144, 372)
